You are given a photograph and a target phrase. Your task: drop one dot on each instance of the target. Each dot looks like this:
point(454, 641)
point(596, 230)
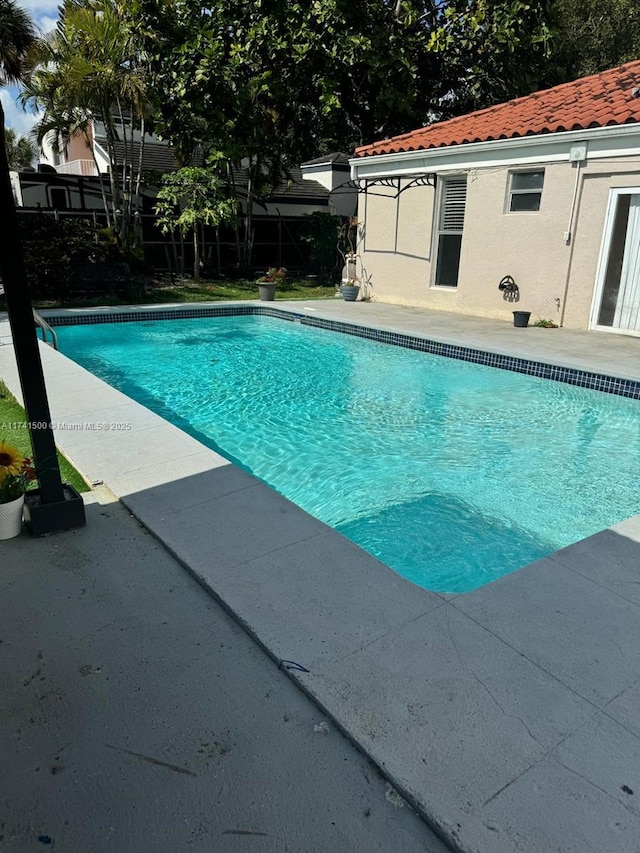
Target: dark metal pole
point(25, 340)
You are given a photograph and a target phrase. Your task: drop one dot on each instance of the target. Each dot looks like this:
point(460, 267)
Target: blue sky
point(44, 14)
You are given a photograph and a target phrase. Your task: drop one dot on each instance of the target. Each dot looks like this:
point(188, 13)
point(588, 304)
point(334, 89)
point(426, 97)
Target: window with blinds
point(453, 199)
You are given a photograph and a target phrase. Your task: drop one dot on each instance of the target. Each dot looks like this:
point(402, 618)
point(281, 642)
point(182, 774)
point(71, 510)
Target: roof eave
point(522, 149)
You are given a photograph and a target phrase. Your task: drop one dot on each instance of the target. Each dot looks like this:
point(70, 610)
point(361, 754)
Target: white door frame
point(603, 260)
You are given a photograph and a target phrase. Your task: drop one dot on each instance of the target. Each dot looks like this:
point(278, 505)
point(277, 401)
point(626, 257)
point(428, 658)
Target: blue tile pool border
point(556, 373)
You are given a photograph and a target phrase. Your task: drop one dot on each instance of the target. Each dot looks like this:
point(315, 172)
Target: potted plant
point(350, 287)
point(354, 274)
point(269, 281)
point(16, 473)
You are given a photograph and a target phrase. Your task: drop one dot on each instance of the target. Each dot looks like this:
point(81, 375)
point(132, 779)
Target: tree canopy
point(92, 68)
point(305, 77)
point(593, 35)
point(264, 85)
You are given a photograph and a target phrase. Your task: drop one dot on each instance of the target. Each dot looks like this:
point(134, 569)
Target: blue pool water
point(451, 473)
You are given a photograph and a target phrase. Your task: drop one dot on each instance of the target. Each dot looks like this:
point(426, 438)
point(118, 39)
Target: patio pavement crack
point(526, 657)
point(546, 754)
point(391, 630)
point(486, 689)
point(511, 781)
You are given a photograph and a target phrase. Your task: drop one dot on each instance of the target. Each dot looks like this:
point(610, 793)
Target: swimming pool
point(452, 473)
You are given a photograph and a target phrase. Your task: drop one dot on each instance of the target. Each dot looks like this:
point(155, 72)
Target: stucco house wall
point(528, 246)
point(400, 247)
point(396, 244)
point(584, 136)
point(78, 148)
point(556, 277)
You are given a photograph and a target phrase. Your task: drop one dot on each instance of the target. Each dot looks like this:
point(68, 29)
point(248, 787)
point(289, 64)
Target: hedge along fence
point(50, 243)
point(54, 240)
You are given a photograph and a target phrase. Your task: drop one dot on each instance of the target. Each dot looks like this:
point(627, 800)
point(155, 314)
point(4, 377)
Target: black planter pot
point(521, 319)
point(66, 514)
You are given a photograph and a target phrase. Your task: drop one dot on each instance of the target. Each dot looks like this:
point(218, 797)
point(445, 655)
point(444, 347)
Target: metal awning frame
point(364, 185)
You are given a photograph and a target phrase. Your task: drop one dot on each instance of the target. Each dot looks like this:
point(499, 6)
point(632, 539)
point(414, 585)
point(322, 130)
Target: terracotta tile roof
point(603, 99)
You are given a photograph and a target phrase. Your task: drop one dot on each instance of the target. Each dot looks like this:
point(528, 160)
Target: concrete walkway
point(508, 716)
point(137, 716)
point(597, 352)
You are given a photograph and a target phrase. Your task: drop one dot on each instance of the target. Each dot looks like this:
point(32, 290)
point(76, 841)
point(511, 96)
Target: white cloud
point(44, 13)
point(14, 115)
point(39, 7)
point(46, 24)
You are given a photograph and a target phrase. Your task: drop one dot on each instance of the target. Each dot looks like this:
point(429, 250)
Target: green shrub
point(322, 236)
point(49, 244)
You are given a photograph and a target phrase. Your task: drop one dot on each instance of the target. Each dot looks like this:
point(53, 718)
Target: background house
point(88, 156)
point(67, 182)
point(544, 188)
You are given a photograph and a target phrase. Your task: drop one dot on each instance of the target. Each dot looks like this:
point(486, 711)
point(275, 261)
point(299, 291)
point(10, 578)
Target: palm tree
point(17, 34)
point(92, 68)
point(60, 118)
point(20, 152)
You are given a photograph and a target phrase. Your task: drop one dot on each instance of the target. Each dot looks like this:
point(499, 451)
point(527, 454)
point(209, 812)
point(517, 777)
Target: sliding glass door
point(617, 303)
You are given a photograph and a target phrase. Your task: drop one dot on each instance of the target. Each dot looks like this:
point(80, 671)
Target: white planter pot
point(11, 518)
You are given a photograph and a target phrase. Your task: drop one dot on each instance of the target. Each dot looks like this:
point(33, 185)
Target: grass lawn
point(11, 412)
point(205, 290)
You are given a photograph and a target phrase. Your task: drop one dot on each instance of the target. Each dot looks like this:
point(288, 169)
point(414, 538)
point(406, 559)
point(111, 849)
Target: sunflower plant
point(16, 473)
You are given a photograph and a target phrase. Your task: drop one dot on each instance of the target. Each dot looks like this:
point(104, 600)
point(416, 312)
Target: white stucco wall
point(556, 278)
point(343, 200)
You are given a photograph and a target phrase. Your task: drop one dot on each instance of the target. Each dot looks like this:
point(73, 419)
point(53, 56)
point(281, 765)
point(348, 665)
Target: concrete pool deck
point(510, 716)
point(106, 651)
